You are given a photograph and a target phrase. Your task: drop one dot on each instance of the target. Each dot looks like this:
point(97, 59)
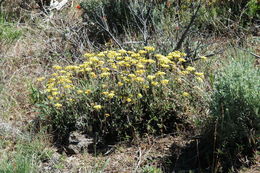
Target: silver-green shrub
point(235, 107)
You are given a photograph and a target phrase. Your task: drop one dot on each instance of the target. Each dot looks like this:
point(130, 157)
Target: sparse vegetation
point(8, 32)
point(29, 152)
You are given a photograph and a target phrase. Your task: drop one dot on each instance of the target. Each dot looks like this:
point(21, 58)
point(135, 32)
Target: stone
point(78, 143)
point(6, 129)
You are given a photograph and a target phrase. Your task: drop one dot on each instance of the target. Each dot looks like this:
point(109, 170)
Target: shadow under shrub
point(123, 20)
point(235, 111)
point(230, 136)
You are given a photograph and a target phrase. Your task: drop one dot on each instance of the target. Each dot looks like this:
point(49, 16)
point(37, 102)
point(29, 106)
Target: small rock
point(49, 166)
point(8, 129)
point(78, 143)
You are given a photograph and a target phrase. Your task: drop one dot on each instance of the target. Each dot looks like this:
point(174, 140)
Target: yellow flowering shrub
point(120, 93)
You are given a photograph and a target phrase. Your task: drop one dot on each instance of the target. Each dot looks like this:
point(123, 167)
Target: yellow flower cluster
point(117, 71)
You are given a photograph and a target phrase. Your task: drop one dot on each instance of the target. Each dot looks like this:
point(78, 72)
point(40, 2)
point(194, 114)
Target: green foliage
point(8, 32)
point(234, 15)
point(151, 169)
point(236, 8)
point(235, 108)
point(24, 157)
point(253, 10)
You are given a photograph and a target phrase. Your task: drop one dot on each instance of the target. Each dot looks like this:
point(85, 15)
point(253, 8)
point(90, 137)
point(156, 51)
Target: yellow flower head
point(164, 82)
point(68, 86)
point(105, 69)
point(139, 65)
point(160, 73)
point(165, 65)
point(122, 51)
point(158, 56)
point(139, 95)
point(58, 105)
point(105, 74)
point(50, 97)
point(149, 48)
point(97, 107)
point(52, 80)
point(111, 95)
point(128, 100)
point(199, 74)
point(185, 94)
point(79, 91)
point(132, 75)
point(70, 100)
point(107, 115)
point(62, 71)
point(136, 55)
point(140, 72)
point(101, 54)
point(146, 86)
point(101, 63)
point(139, 79)
point(54, 74)
point(55, 93)
point(154, 83)
point(87, 55)
point(142, 51)
point(125, 79)
point(119, 58)
point(48, 90)
point(120, 84)
point(151, 61)
point(57, 67)
point(183, 54)
point(179, 80)
point(93, 75)
point(203, 58)
point(105, 93)
point(199, 79)
point(182, 60)
point(185, 72)
point(94, 59)
point(175, 54)
point(189, 68)
point(87, 91)
point(88, 69)
point(150, 77)
point(40, 79)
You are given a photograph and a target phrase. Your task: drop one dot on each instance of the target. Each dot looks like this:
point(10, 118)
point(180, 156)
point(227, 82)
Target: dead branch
point(251, 53)
point(184, 35)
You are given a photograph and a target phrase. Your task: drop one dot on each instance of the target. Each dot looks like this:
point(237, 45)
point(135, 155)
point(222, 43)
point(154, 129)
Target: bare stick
point(255, 55)
point(183, 37)
point(139, 160)
point(105, 27)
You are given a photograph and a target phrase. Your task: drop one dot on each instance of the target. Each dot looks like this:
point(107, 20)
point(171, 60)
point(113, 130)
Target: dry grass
point(31, 56)
point(254, 168)
point(41, 45)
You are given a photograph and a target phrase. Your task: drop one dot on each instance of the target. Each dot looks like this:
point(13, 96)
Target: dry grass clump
point(28, 51)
